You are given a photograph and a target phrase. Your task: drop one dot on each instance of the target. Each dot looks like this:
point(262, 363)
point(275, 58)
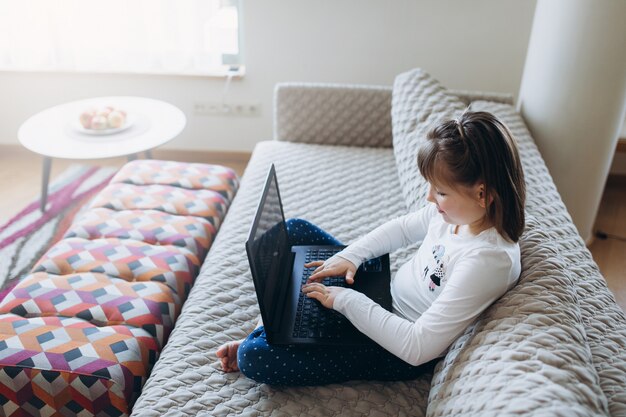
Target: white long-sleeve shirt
point(438, 293)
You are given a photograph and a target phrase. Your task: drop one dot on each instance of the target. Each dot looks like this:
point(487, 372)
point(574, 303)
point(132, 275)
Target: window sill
point(224, 72)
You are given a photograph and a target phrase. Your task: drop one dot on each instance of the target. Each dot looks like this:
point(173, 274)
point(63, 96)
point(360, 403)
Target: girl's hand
point(322, 293)
point(332, 267)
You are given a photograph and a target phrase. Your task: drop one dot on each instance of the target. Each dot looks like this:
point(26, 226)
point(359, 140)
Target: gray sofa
point(553, 345)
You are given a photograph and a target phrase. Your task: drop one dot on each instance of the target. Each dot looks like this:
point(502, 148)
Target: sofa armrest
point(526, 352)
point(333, 114)
point(344, 114)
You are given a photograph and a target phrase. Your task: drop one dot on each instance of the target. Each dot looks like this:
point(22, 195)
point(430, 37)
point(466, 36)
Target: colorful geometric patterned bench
point(80, 334)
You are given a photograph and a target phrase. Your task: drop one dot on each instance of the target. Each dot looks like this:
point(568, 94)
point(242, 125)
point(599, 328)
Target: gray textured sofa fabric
point(553, 345)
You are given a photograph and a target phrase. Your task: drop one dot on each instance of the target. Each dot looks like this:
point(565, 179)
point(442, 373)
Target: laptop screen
point(267, 245)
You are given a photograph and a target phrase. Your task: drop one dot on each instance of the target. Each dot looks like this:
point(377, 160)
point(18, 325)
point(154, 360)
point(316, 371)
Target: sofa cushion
point(604, 321)
point(333, 115)
point(70, 366)
point(527, 352)
point(130, 260)
point(80, 334)
point(152, 226)
point(174, 200)
point(583, 279)
point(180, 174)
point(418, 102)
point(98, 299)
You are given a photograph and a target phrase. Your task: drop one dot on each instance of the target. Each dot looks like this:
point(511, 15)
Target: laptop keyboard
point(313, 319)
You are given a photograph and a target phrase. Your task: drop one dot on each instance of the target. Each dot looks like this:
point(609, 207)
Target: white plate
point(101, 132)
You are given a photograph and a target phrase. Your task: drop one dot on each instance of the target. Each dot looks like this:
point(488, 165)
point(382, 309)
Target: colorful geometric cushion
point(51, 363)
point(204, 203)
point(80, 334)
point(98, 299)
point(193, 176)
point(150, 226)
point(130, 260)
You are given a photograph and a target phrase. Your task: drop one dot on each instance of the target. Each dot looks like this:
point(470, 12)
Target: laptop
point(278, 272)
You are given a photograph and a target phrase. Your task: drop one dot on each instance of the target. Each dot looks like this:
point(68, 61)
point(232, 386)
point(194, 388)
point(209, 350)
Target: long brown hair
point(478, 147)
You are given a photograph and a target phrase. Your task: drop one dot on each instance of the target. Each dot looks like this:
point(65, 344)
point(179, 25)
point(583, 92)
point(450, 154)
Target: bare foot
point(227, 353)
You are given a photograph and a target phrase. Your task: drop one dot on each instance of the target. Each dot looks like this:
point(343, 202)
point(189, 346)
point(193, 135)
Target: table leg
point(148, 154)
point(45, 178)
point(131, 157)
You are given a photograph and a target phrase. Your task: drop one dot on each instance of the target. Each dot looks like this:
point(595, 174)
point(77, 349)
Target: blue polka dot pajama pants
point(318, 365)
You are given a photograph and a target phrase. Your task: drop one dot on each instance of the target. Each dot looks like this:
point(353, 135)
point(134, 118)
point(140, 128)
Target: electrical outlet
point(233, 109)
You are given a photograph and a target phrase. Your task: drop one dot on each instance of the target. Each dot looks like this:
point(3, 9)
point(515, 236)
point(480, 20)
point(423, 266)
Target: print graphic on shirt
point(436, 269)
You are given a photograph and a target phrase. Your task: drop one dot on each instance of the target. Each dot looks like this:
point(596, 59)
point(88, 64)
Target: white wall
point(478, 45)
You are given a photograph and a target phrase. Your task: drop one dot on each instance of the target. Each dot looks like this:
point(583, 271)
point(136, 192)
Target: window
point(195, 37)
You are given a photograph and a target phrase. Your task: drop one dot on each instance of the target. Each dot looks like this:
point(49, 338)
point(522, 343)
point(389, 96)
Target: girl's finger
point(320, 274)
point(307, 288)
point(319, 269)
point(350, 276)
point(313, 279)
point(314, 263)
point(317, 295)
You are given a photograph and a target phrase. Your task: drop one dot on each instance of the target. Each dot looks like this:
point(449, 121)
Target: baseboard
point(233, 159)
point(186, 155)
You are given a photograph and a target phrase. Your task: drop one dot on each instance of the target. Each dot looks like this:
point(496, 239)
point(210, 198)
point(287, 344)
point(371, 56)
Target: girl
point(469, 257)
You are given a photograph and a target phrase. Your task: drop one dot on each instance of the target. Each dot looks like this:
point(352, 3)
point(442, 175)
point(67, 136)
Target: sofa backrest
point(344, 114)
point(531, 349)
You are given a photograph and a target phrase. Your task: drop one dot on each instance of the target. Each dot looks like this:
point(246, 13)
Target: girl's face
point(460, 205)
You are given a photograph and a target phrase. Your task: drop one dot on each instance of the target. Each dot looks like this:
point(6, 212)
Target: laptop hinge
point(285, 274)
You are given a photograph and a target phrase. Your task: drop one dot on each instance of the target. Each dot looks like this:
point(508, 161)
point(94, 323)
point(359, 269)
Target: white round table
point(57, 133)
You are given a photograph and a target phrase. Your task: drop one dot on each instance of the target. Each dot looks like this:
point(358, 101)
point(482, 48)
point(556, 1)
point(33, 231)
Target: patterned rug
point(26, 236)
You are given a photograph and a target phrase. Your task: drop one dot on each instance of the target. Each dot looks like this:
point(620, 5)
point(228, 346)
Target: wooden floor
point(20, 182)
point(610, 253)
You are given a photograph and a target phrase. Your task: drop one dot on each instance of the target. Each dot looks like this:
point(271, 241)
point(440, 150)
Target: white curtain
point(141, 36)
